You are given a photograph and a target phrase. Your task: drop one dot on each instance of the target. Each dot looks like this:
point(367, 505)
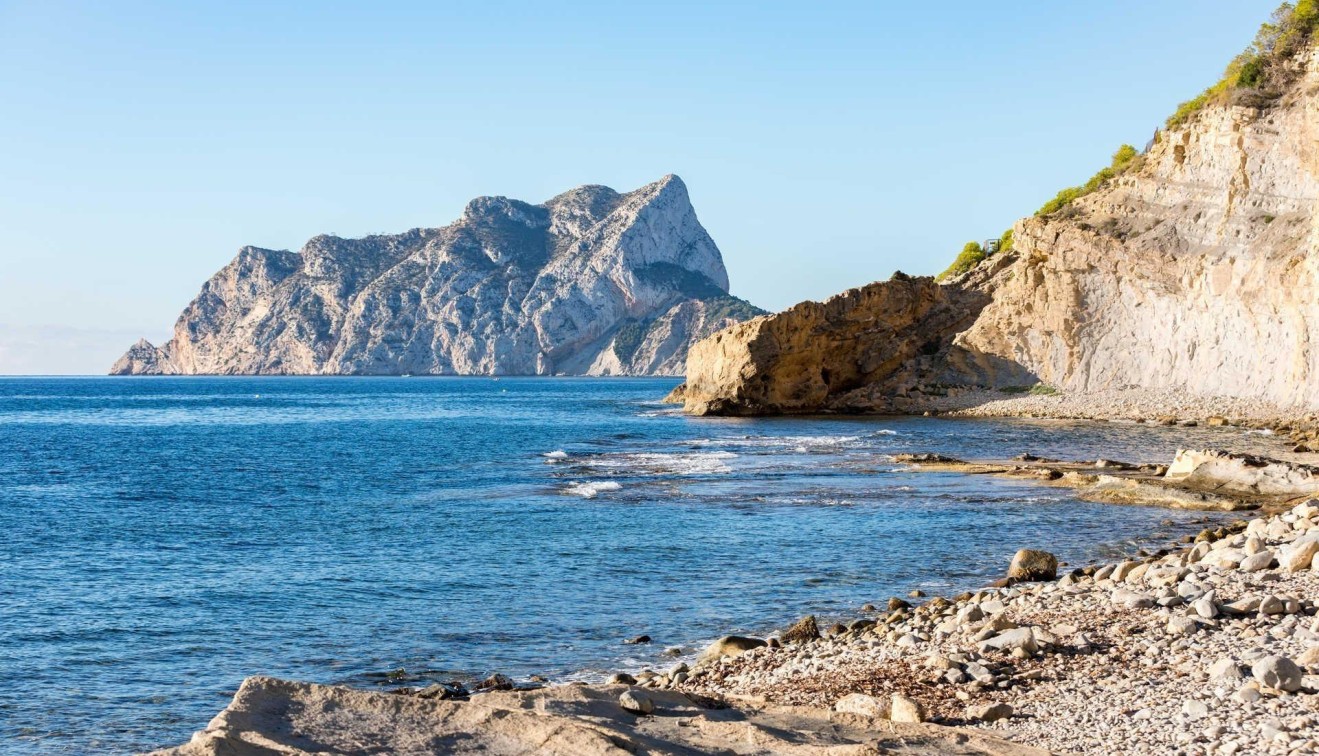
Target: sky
point(824, 144)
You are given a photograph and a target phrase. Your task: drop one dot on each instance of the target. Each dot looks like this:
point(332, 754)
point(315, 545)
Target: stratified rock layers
point(590, 282)
point(1196, 272)
point(807, 357)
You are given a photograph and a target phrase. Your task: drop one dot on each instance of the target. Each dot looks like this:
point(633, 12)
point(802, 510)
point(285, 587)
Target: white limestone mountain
point(592, 282)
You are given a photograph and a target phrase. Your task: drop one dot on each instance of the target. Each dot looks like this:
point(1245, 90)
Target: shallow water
point(166, 537)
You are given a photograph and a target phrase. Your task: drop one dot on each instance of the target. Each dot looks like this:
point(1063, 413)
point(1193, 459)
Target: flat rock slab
point(270, 717)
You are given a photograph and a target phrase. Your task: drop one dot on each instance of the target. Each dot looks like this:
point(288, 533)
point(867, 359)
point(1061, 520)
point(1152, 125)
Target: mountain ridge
point(510, 287)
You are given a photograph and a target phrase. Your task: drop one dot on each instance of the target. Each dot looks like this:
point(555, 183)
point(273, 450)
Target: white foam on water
point(588, 490)
point(657, 463)
point(796, 443)
point(669, 412)
point(1260, 432)
point(556, 454)
point(701, 463)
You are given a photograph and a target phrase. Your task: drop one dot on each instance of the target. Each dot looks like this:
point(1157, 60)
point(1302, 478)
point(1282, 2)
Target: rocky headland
point(1188, 269)
point(591, 282)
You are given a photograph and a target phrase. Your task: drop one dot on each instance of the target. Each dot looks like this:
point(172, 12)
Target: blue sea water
point(162, 538)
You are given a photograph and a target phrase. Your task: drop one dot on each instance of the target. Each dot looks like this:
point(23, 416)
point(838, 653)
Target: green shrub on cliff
point(1005, 242)
point(973, 253)
point(1257, 74)
point(1126, 158)
point(971, 256)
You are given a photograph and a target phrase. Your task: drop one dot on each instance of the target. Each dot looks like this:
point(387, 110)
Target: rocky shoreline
point(1210, 646)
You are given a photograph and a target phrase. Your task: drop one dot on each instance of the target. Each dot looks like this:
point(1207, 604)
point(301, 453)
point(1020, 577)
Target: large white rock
point(590, 282)
point(1241, 472)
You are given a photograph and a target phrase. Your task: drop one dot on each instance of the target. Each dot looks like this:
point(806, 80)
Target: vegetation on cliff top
point(1126, 158)
point(974, 252)
point(1257, 76)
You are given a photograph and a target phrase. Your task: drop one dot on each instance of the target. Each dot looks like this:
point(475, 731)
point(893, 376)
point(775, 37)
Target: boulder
point(636, 702)
point(804, 630)
point(730, 645)
point(1032, 564)
point(1300, 556)
point(906, 710)
point(1243, 473)
point(862, 705)
point(1021, 638)
point(1182, 626)
point(1256, 562)
point(1277, 672)
point(495, 682)
point(990, 712)
point(1131, 599)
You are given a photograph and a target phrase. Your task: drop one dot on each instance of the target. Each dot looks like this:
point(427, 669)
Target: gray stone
point(1182, 625)
point(1195, 709)
point(862, 705)
point(1256, 562)
point(636, 702)
point(1131, 599)
point(991, 712)
point(1277, 672)
point(1020, 638)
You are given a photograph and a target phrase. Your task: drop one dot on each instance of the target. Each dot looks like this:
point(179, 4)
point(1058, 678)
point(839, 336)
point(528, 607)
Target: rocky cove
point(1207, 645)
point(1176, 288)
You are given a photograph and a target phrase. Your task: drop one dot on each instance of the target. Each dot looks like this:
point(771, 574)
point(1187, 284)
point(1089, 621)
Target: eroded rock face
point(816, 354)
point(1196, 272)
point(1222, 470)
point(590, 282)
point(269, 716)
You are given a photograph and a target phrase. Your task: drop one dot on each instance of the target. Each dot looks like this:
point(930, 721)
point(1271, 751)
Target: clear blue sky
point(825, 144)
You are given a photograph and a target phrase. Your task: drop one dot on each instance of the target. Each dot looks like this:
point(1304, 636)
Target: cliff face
point(590, 282)
point(1196, 271)
point(843, 353)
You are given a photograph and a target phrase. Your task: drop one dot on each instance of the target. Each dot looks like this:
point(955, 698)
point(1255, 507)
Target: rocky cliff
point(590, 282)
point(1196, 270)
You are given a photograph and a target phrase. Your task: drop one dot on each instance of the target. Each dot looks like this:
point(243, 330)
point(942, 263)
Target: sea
point(163, 538)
